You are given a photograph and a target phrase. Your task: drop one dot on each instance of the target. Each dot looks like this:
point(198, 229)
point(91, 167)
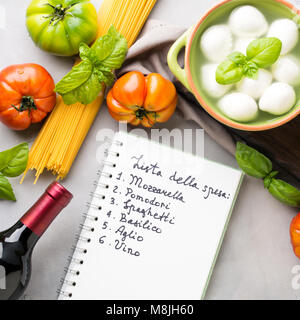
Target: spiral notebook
point(154, 226)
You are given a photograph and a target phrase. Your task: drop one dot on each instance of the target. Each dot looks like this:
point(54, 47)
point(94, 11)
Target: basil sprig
point(259, 166)
point(84, 82)
point(13, 162)
point(261, 53)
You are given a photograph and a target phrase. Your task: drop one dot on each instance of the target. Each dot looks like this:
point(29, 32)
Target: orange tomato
point(26, 95)
point(137, 99)
point(295, 234)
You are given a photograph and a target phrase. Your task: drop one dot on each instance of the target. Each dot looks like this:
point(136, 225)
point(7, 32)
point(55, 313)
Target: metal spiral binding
point(83, 241)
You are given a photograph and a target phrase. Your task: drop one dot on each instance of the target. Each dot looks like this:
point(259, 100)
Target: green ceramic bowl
point(189, 75)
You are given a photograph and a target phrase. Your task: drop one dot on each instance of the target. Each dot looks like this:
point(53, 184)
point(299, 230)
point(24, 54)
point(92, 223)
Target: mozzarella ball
point(285, 30)
point(216, 43)
point(209, 83)
point(287, 69)
point(247, 21)
point(241, 44)
point(239, 106)
point(278, 99)
point(256, 87)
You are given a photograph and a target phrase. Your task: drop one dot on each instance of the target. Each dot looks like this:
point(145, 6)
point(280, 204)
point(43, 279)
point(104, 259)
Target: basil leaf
point(13, 162)
point(257, 165)
point(117, 56)
point(88, 54)
point(85, 80)
point(269, 178)
point(84, 51)
point(250, 70)
point(69, 98)
point(238, 58)
point(6, 191)
point(264, 52)
point(228, 73)
point(89, 91)
point(75, 78)
point(86, 93)
point(285, 193)
point(103, 47)
point(105, 75)
point(253, 162)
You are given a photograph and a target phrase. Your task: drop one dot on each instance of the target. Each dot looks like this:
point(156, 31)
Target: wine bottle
point(18, 242)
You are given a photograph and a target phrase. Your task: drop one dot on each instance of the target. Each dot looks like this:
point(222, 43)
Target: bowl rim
point(214, 114)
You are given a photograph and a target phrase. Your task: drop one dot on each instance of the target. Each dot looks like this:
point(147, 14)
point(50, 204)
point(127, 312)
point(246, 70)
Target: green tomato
point(59, 26)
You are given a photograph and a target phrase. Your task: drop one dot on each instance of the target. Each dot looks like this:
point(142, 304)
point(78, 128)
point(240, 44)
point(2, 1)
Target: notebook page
point(159, 227)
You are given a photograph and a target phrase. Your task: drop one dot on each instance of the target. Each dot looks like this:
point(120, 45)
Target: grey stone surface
point(256, 259)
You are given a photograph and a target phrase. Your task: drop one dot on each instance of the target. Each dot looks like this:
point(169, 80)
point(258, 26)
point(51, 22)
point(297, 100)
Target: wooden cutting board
point(282, 145)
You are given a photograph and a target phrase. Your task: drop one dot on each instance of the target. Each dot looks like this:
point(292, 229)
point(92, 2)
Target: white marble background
point(256, 260)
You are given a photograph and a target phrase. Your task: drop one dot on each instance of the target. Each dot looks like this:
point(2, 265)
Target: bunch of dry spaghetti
point(62, 135)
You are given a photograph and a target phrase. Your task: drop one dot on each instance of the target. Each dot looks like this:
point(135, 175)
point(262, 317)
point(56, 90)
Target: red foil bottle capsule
point(39, 217)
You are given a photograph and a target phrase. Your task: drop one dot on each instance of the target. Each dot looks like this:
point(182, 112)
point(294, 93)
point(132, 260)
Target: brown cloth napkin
point(149, 54)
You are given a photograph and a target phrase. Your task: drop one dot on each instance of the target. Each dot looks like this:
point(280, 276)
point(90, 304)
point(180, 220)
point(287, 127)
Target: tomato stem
point(59, 12)
point(141, 113)
point(27, 103)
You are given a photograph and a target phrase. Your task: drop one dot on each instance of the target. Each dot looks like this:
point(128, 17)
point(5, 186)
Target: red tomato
point(26, 95)
point(137, 99)
point(295, 235)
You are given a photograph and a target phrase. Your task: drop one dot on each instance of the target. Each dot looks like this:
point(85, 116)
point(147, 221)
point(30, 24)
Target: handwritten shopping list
point(160, 223)
point(147, 208)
